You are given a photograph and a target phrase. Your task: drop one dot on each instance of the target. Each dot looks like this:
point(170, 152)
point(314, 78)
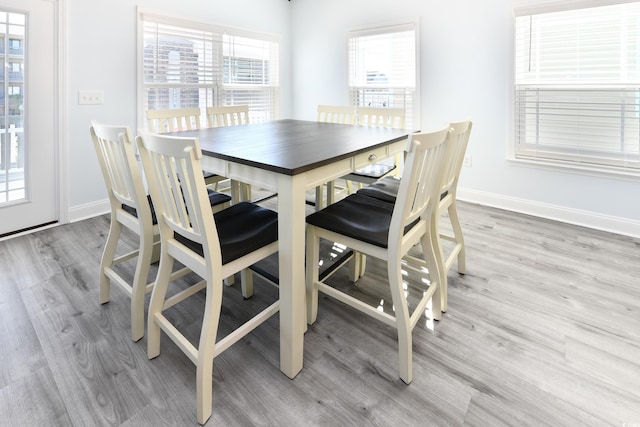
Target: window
point(577, 87)
point(383, 70)
point(188, 64)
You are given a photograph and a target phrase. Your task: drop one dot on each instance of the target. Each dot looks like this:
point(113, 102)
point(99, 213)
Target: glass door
point(12, 142)
point(29, 188)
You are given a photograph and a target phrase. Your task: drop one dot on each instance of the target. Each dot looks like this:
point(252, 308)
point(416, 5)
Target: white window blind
point(188, 64)
point(577, 86)
point(383, 68)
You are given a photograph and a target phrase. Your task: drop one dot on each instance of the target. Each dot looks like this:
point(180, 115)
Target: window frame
point(218, 86)
point(561, 162)
point(413, 114)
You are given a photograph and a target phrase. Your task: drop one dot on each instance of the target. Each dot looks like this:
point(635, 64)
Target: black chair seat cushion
point(133, 211)
point(374, 171)
point(360, 217)
point(370, 173)
point(386, 189)
point(215, 199)
point(242, 228)
point(208, 175)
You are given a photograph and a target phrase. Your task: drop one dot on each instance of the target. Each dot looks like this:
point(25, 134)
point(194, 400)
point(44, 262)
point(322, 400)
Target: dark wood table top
point(291, 147)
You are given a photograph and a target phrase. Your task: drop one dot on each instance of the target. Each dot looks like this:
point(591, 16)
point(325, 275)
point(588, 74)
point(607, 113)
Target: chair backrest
point(122, 176)
point(381, 117)
point(179, 194)
point(419, 188)
point(336, 114)
point(173, 120)
point(458, 141)
point(230, 115)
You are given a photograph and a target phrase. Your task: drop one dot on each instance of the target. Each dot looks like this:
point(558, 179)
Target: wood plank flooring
point(544, 329)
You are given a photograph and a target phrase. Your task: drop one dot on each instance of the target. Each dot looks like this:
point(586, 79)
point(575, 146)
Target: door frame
point(60, 120)
point(62, 115)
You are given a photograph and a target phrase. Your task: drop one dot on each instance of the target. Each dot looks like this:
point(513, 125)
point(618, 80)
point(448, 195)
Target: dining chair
point(340, 115)
point(387, 188)
point(231, 115)
point(376, 117)
point(212, 246)
point(387, 232)
point(179, 119)
point(336, 114)
point(227, 115)
point(173, 119)
point(130, 208)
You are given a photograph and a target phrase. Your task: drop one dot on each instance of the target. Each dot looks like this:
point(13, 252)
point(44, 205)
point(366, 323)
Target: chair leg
point(434, 258)
point(139, 285)
point(206, 349)
point(156, 303)
point(245, 191)
point(108, 255)
point(312, 274)
point(331, 193)
point(319, 197)
point(457, 232)
point(403, 323)
point(363, 264)
point(357, 266)
point(204, 390)
point(246, 277)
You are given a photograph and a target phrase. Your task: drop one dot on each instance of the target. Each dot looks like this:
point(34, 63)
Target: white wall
point(101, 50)
point(465, 73)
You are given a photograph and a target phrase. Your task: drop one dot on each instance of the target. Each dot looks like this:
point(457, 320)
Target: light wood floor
point(543, 330)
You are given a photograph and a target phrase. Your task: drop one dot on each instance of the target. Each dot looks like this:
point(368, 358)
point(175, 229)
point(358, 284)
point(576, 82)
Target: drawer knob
point(372, 157)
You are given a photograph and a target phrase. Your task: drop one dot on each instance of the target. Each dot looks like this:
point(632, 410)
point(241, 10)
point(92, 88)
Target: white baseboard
point(608, 223)
point(78, 213)
point(596, 221)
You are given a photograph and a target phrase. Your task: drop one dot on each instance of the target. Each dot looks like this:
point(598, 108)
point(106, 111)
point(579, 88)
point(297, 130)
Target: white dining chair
point(376, 117)
point(176, 120)
point(173, 119)
point(387, 232)
point(386, 189)
point(227, 115)
point(131, 209)
point(341, 115)
point(231, 115)
point(212, 246)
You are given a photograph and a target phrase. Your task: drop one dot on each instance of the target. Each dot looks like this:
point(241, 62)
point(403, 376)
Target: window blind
point(577, 86)
point(383, 68)
point(188, 64)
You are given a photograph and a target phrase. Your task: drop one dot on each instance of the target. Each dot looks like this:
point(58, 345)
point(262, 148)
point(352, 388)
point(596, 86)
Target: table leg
point(291, 242)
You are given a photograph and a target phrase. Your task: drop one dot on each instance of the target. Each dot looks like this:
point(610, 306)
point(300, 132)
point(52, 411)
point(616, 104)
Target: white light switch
point(90, 97)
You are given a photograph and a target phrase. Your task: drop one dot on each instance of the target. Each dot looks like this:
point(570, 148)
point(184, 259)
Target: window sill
point(578, 169)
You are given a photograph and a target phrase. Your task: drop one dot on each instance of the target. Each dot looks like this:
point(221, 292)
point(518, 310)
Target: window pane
point(197, 65)
point(383, 68)
point(577, 85)
point(12, 108)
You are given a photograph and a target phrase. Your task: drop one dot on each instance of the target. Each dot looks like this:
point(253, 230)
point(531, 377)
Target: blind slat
point(577, 85)
point(382, 68)
point(189, 64)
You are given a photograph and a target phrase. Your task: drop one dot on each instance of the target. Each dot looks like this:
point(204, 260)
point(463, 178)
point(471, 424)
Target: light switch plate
point(90, 97)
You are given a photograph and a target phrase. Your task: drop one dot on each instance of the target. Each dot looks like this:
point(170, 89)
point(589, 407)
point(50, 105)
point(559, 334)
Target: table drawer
point(371, 156)
point(397, 147)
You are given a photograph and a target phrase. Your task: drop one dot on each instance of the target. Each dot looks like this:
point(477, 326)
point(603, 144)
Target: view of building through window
point(12, 72)
point(187, 67)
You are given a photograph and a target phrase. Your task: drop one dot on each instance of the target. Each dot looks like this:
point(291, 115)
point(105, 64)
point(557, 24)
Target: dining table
point(290, 157)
